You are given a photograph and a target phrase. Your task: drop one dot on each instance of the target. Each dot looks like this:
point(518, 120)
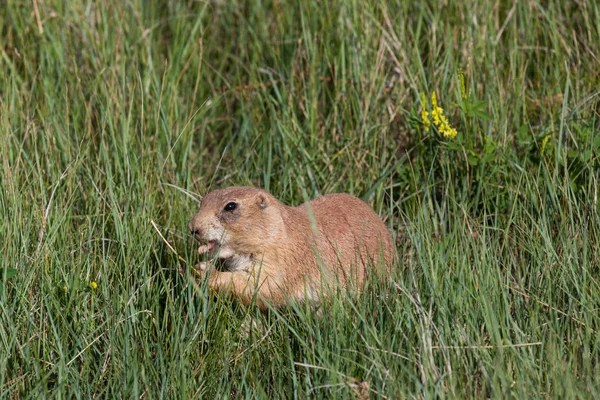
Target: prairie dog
point(280, 253)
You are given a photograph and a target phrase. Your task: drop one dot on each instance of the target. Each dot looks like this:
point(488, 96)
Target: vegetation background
point(116, 115)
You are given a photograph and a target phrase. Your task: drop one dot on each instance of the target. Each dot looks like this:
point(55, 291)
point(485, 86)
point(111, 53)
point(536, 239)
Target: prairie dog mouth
point(209, 247)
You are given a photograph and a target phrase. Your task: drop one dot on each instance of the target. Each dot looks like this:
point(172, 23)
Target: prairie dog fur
point(281, 253)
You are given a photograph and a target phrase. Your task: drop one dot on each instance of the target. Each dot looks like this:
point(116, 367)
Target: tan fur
point(281, 253)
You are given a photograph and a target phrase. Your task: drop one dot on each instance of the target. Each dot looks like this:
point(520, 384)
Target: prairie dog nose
point(193, 229)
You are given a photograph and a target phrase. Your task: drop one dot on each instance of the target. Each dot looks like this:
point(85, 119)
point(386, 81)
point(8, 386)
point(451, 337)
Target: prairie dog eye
point(230, 206)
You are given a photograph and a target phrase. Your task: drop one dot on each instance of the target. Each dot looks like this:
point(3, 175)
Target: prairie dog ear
point(261, 201)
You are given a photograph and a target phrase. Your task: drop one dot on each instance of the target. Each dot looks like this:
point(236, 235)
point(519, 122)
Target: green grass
point(113, 113)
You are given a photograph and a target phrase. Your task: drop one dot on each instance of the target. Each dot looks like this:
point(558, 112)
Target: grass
point(115, 116)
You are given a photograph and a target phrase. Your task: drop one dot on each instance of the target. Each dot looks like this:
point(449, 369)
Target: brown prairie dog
point(281, 253)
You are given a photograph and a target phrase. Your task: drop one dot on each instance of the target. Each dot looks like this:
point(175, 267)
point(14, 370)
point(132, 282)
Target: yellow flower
point(440, 120)
point(437, 112)
point(425, 114)
point(93, 285)
point(448, 131)
point(65, 289)
point(426, 121)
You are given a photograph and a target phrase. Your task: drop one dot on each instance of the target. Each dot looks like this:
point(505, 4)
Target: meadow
point(472, 128)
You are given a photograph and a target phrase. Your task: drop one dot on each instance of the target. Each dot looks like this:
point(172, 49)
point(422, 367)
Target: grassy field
point(115, 116)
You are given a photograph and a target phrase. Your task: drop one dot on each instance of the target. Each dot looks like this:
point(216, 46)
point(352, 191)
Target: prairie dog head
point(237, 221)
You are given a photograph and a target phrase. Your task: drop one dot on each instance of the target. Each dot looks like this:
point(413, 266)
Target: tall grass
point(116, 116)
